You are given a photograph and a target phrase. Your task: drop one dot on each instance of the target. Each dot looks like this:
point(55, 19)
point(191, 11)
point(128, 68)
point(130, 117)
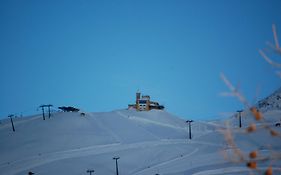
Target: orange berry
point(252, 165)
point(251, 128)
point(253, 154)
point(256, 113)
point(274, 133)
point(268, 171)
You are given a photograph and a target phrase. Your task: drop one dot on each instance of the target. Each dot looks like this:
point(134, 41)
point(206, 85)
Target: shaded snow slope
point(147, 143)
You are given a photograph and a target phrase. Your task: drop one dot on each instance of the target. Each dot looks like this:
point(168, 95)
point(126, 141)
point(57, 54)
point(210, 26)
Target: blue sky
point(96, 54)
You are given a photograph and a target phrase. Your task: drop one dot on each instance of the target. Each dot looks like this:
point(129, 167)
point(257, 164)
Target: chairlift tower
point(116, 164)
point(90, 171)
point(49, 105)
point(239, 115)
point(43, 110)
point(189, 127)
point(11, 117)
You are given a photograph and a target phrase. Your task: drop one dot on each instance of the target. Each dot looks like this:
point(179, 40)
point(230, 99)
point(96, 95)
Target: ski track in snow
point(18, 166)
point(150, 133)
point(222, 171)
point(143, 120)
point(147, 121)
point(117, 139)
point(166, 162)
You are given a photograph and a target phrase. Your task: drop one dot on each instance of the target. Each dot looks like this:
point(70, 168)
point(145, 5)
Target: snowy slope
point(272, 102)
point(147, 142)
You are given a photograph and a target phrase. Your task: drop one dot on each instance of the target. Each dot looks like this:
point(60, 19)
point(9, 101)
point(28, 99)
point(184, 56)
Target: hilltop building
point(143, 103)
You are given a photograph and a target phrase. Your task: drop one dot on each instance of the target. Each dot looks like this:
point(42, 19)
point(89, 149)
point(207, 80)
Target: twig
point(234, 91)
point(275, 36)
point(267, 59)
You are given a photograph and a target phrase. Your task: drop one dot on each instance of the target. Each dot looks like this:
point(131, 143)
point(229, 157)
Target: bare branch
point(267, 59)
point(237, 153)
point(227, 94)
point(270, 45)
point(275, 36)
point(234, 91)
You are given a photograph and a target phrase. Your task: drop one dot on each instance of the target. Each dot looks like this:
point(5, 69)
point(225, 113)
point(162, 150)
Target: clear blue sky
point(96, 54)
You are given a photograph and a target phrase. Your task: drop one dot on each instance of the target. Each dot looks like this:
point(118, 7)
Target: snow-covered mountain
point(147, 142)
point(272, 102)
point(270, 106)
